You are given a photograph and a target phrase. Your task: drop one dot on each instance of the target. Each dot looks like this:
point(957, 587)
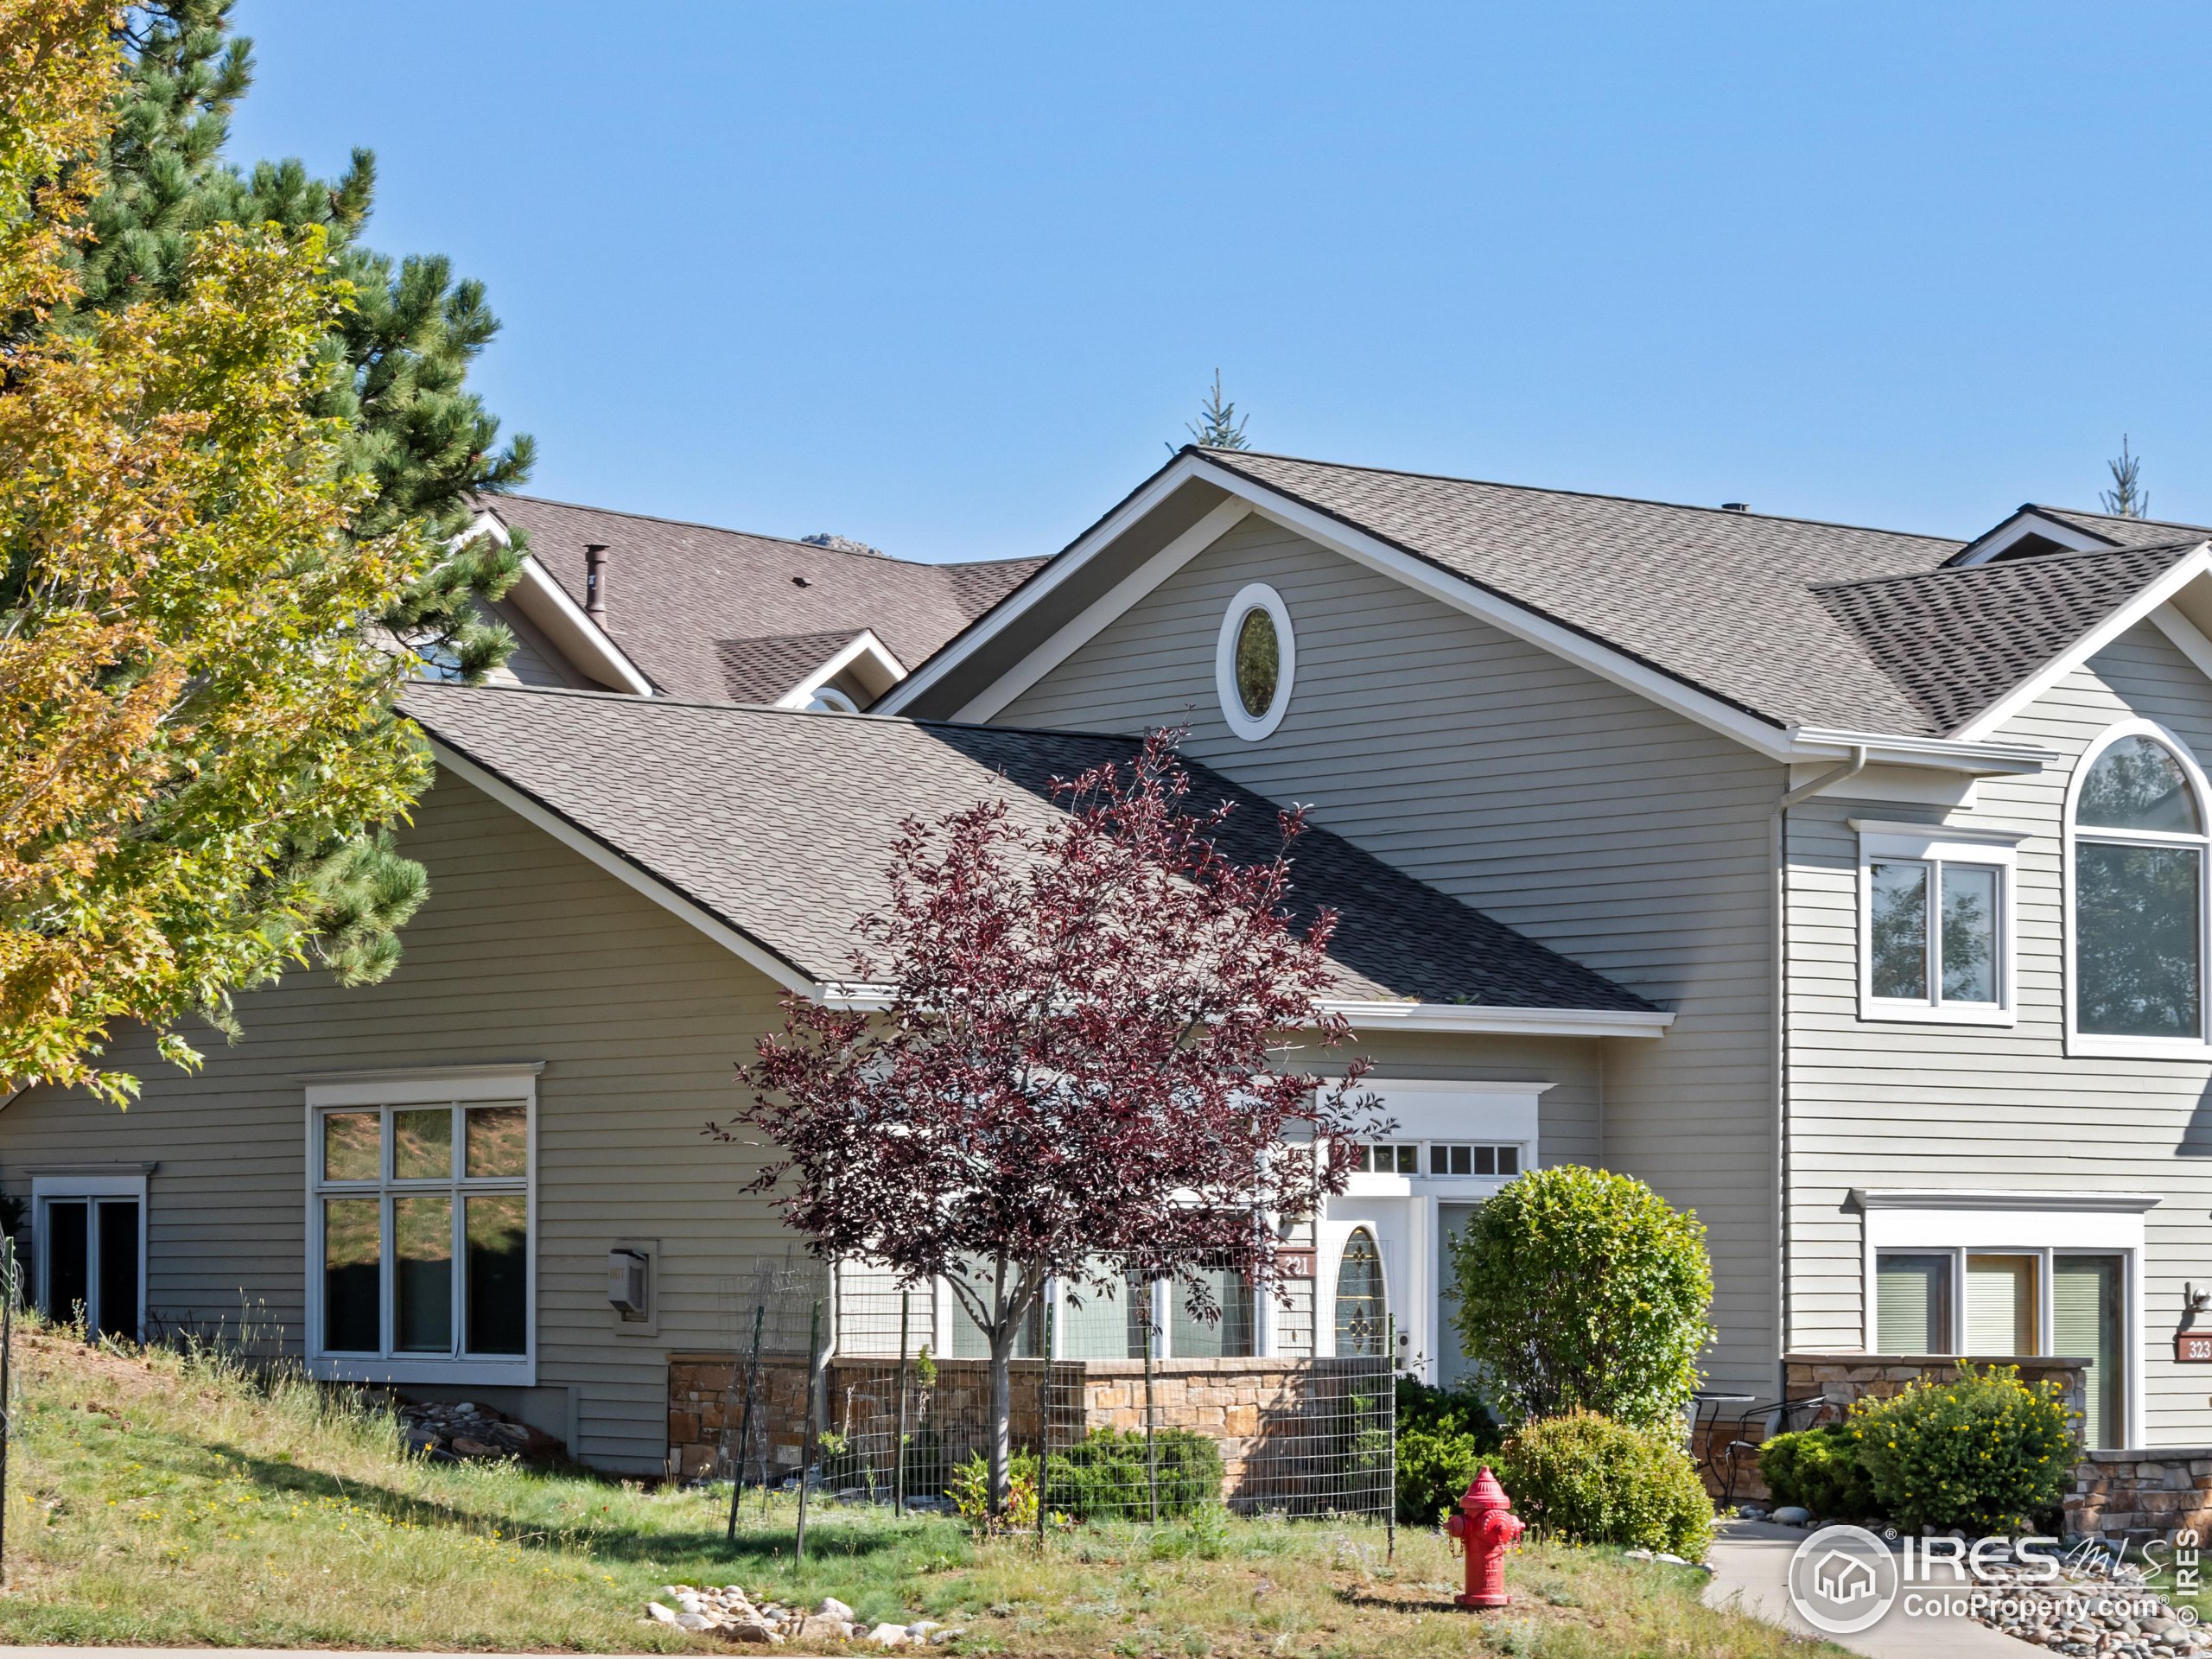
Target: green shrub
point(1103, 1475)
point(1820, 1469)
point(1443, 1435)
point(1580, 1289)
point(970, 1488)
point(1587, 1480)
point(1987, 1452)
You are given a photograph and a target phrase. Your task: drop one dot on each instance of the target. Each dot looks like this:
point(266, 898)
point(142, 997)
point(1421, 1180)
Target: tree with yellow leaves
point(197, 738)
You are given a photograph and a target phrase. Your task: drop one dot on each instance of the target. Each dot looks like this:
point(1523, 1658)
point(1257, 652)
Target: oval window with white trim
point(1253, 661)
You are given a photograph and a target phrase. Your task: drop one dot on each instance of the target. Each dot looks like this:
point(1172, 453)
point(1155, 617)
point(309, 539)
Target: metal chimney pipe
point(595, 581)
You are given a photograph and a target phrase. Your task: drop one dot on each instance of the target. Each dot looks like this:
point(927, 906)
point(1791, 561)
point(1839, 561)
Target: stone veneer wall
point(1842, 1378)
point(2141, 1494)
point(1247, 1405)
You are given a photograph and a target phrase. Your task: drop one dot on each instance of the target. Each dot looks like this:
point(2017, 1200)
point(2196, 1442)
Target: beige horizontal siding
point(1612, 831)
point(1887, 1103)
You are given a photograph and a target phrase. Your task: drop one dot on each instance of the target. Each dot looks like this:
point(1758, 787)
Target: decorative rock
point(1792, 1514)
point(694, 1622)
point(660, 1614)
point(467, 1447)
point(833, 1608)
point(888, 1636)
point(820, 1628)
point(1639, 1554)
point(748, 1630)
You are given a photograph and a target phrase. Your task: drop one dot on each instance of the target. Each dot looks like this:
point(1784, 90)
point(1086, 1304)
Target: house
point(620, 601)
point(1846, 884)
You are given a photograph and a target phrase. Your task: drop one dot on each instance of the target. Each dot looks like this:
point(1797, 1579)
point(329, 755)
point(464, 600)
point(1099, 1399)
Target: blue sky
point(945, 276)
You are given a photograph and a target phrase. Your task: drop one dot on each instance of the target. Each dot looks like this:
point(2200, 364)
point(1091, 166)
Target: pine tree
point(2128, 499)
point(1218, 425)
point(406, 344)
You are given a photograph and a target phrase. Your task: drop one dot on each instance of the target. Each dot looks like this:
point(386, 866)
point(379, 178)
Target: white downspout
point(1778, 843)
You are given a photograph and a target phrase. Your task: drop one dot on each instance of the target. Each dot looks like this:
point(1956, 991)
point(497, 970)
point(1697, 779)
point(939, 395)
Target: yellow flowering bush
point(1987, 1452)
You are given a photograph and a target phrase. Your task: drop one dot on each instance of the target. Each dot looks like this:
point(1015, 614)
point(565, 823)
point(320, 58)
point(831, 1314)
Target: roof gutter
point(1468, 1017)
point(1939, 754)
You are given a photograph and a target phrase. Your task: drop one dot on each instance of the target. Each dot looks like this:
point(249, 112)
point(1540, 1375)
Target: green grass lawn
point(162, 1498)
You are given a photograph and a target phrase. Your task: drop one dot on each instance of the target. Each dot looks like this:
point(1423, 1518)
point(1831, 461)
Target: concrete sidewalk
point(1750, 1569)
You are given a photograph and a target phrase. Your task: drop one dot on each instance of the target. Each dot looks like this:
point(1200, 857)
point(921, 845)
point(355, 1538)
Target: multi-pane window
point(1468, 1158)
point(2005, 1303)
point(2139, 897)
point(1932, 930)
point(422, 1217)
point(1435, 1158)
point(1387, 1158)
point(1935, 924)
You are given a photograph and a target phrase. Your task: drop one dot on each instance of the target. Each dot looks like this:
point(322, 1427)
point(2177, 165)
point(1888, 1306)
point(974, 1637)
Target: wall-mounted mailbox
point(629, 1283)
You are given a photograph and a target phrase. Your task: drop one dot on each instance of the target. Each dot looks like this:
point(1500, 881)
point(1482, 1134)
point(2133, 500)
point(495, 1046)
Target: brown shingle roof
point(1959, 640)
point(678, 594)
point(761, 670)
point(1798, 621)
point(780, 824)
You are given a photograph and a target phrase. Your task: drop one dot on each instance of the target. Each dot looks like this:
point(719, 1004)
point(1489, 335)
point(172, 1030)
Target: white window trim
point(1938, 844)
point(90, 1182)
point(1253, 596)
point(456, 1085)
point(2099, 1043)
point(1940, 1222)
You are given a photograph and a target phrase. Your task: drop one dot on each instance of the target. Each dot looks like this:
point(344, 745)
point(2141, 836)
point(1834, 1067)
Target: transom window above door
point(1935, 924)
point(2137, 906)
point(1436, 1158)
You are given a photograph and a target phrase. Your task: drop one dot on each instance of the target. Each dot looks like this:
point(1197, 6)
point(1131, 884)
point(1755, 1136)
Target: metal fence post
point(1044, 1419)
point(7, 1383)
point(1151, 1451)
point(899, 1435)
point(1390, 1439)
point(814, 1370)
point(745, 1426)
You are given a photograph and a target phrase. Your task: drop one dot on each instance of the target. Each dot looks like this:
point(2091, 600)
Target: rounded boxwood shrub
point(1987, 1452)
point(1103, 1476)
point(1584, 1290)
point(1443, 1435)
point(1587, 1480)
point(1820, 1469)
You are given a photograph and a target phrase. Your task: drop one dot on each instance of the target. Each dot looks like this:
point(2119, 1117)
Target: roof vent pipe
point(1735, 506)
point(595, 581)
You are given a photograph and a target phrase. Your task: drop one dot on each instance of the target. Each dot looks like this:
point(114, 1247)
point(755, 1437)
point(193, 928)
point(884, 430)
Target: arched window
point(2139, 892)
point(1362, 1314)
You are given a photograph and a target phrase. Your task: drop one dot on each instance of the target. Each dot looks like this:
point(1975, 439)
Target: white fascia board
point(888, 670)
point(1114, 602)
point(2028, 522)
point(536, 813)
point(1071, 559)
point(582, 641)
point(2145, 604)
point(1480, 1018)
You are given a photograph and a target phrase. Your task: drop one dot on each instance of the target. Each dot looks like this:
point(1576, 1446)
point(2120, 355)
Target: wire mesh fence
point(858, 1387)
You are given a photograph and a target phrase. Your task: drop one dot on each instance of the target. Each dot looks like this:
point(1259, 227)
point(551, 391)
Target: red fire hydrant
point(1488, 1527)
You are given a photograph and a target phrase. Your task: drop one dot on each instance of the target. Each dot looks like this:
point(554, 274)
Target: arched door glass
point(1363, 1316)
